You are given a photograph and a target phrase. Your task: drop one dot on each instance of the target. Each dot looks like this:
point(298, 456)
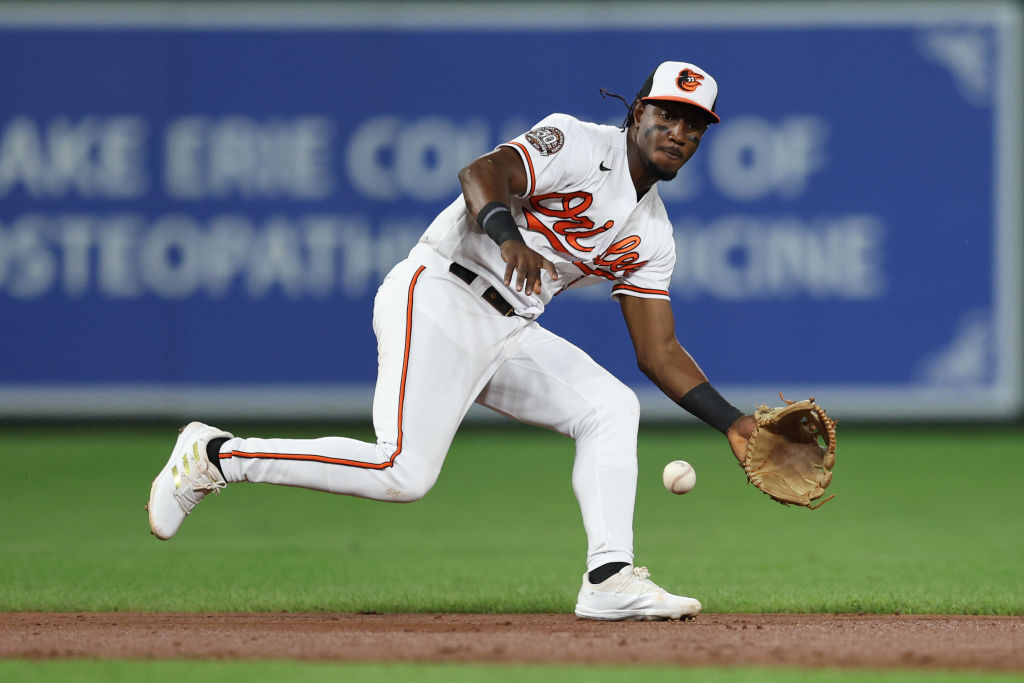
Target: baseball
point(679, 477)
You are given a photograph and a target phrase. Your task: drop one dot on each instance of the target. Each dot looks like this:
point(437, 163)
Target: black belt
point(490, 294)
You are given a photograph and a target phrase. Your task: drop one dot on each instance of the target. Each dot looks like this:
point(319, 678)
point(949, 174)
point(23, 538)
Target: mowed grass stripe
point(924, 521)
point(91, 671)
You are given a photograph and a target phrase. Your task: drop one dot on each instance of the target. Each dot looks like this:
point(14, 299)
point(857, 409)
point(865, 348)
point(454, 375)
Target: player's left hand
point(526, 264)
point(739, 435)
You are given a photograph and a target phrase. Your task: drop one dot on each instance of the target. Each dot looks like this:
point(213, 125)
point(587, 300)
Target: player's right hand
point(526, 264)
point(739, 434)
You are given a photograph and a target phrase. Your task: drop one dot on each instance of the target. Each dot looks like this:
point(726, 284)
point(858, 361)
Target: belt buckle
point(496, 300)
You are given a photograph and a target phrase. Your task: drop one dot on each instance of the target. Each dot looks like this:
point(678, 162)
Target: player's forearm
point(671, 369)
point(482, 184)
point(687, 386)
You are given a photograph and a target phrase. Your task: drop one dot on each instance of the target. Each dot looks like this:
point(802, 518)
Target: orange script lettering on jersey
point(621, 257)
point(573, 224)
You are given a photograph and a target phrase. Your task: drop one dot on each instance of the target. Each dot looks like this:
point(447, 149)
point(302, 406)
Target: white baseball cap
point(682, 82)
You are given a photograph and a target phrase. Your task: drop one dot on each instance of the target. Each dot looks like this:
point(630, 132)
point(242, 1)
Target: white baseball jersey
point(580, 212)
point(442, 347)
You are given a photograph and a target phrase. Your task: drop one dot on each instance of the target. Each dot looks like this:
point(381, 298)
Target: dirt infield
point(800, 640)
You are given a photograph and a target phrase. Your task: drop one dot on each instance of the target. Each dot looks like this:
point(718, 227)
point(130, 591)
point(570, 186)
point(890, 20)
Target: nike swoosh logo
point(602, 167)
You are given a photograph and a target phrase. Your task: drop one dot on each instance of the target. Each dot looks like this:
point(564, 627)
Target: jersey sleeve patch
point(547, 140)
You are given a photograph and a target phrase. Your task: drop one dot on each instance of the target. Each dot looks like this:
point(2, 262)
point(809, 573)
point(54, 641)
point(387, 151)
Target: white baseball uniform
point(442, 346)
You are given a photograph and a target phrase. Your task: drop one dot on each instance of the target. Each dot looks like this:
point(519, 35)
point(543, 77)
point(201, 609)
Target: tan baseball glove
point(791, 452)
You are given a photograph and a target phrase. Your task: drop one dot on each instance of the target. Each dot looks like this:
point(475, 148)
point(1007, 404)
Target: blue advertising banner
point(197, 202)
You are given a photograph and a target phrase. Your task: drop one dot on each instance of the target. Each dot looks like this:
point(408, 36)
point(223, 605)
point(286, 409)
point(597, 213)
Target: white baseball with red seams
point(679, 477)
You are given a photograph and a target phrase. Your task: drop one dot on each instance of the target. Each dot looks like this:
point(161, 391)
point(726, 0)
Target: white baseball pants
point(440, 348)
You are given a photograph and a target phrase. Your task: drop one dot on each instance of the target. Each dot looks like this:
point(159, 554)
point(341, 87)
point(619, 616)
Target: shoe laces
point(197, 486)
point(642, 577)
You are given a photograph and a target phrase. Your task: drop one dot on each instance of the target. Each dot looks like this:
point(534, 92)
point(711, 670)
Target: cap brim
point(713, 115)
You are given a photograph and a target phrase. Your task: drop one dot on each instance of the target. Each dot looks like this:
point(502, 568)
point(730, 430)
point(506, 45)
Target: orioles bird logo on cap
point(689, 80)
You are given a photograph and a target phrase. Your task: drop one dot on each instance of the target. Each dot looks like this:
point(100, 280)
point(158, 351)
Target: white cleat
point(185, 480)
point(631, 596)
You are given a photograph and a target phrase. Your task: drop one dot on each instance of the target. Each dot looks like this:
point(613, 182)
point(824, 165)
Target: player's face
point(667, 135)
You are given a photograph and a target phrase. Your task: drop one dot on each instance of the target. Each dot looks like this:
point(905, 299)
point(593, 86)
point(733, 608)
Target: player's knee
point(613, 405)
point(409, 486)
point(629, 404)
point(618, 402)
point(412, 492)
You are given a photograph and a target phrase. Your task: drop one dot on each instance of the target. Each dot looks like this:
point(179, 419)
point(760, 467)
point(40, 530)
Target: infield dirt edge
point(860, 641)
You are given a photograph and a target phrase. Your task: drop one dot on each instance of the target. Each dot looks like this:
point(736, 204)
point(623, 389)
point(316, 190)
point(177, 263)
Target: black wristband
point(496, 220)
point(705, 402)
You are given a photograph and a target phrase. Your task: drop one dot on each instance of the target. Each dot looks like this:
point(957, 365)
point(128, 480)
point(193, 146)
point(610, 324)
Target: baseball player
point(567, 204)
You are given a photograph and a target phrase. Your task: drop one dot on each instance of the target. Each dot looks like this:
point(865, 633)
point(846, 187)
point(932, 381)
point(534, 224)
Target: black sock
point(213, 452)
point(605, 571)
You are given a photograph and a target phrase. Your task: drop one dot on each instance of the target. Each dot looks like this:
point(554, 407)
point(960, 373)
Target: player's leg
point(547, 381)
point(437, 345)
point(435, 352)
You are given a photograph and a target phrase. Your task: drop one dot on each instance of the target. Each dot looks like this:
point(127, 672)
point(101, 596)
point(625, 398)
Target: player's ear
point(638, 111)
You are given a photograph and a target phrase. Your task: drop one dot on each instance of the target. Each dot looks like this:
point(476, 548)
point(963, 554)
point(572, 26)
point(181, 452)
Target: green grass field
point(304, 672)
point(924, 521)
